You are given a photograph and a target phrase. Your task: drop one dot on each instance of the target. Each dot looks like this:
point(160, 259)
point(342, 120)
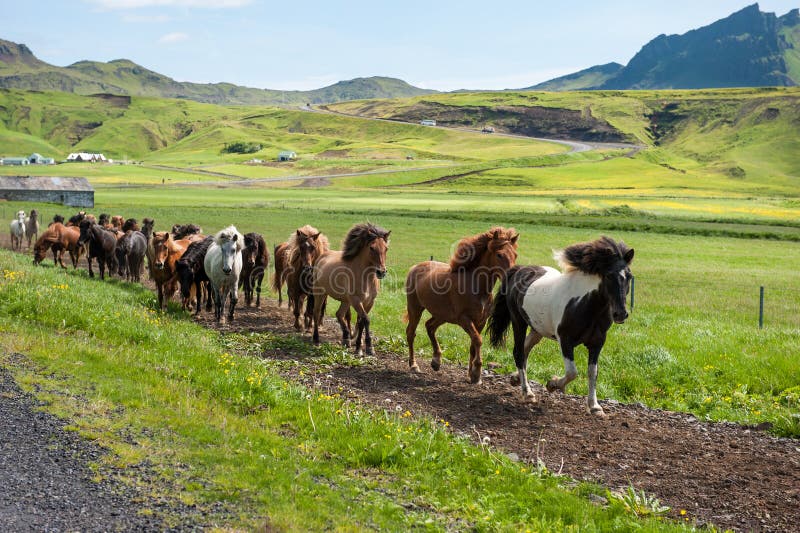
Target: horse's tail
point(501, 314)
point(277, 277)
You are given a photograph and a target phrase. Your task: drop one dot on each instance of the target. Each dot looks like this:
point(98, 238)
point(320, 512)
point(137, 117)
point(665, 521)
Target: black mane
point(595, 257)
point(359, 236)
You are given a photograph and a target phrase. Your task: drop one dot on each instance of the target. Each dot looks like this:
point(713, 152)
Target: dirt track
point(728, 475)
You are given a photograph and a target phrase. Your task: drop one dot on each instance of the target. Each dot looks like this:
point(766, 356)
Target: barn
point(74, 192)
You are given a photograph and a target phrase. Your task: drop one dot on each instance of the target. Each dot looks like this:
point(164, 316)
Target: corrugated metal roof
point(38, 183)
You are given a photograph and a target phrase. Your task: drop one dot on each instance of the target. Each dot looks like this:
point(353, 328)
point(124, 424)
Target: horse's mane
point(181, 231)
point(293, 248)
point(261, 246)
point(130, 224)
point(196, 252)
point(595, 257)
point(104, 219)
point(359, 236)
point(228, 234)
point(470, 249)
point(58, 219)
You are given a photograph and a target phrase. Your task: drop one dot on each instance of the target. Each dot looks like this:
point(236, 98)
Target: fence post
point(633, 292)
point(761, 307)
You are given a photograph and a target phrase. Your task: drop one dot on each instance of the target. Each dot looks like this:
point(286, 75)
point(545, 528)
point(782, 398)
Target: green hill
point(20, 69)
point(584, 79)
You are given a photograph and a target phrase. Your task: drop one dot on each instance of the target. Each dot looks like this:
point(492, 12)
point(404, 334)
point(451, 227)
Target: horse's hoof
point(370, 351)
point(530, 398)
point(597, 411)
point(514, 379)
point(414, 368)
point(475, 381)
point(436, 365)
point(553, 386)
point(360, 352)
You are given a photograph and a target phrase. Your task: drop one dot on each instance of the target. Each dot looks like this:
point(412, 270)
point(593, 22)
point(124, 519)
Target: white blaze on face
point(548, 296)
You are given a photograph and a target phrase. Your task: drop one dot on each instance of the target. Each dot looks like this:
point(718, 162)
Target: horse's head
point(160, 249)
point(250, 250)
point(616, 284)
point(501, 250)
point(86, 227)
point(308, 249)
point(229, 250)
point(378, 246)
point(39, 252)
point(21, 215)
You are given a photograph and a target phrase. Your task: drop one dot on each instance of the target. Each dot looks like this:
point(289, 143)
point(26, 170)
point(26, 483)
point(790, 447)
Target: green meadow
point(711, 204)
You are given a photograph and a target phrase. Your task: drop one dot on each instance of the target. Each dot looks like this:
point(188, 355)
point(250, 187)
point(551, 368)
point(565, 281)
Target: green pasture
point(190, 417)
point(692, 342)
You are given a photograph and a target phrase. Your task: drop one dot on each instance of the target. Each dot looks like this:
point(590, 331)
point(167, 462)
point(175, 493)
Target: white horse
point(18, 231)
point(32, 226)
point(223, 265)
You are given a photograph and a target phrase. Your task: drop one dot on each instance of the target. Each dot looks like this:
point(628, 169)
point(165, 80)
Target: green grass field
point(711, 208)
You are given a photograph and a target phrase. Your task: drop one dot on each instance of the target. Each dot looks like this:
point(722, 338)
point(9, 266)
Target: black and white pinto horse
point(576, 306)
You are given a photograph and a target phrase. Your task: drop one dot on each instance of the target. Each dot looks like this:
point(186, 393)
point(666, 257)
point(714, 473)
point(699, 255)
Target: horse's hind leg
point(344, 310)
point(319, 310)
point(431, 325)
point(522, 348)
point(475, 362)
point(413, 314)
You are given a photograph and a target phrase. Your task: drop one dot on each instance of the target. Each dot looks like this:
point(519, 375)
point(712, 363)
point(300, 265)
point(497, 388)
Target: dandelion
point(683, 512)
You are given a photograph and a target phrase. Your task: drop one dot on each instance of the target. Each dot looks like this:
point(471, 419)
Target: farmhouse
point(38, 159)
point(15, 161)
point(86, 157)
point(287, 155)
point(74, 192)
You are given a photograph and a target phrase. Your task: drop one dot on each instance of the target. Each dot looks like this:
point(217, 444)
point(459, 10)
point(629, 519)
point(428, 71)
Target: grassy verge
point(219, 427)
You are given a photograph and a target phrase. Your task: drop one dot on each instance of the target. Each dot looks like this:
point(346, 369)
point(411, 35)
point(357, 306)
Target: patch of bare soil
point(719, 473)
point(315, 182)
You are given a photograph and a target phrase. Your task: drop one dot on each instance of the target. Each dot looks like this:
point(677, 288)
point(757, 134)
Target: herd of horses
point(573, 306)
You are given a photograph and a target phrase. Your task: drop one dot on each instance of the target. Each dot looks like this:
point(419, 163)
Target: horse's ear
point(299, 233)
point(314, 237)
point(514, 239)
point(496, 234)
point(628, 256)
point(386, 236)
point(235, 237)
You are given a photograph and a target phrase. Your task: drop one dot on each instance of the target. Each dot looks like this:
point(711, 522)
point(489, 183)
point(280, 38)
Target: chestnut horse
point(58, 237)
point(255, 260)
point(281, 265)
point(304, 247)
point(162, 253)
point(459, 293)
point(32, 227)
point(351, 276)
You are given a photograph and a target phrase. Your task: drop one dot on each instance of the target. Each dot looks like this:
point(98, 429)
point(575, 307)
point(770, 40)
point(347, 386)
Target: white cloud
point(174, 37)
point(136, 4)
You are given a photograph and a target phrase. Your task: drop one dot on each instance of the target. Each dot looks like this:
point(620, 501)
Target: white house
point(87, 157)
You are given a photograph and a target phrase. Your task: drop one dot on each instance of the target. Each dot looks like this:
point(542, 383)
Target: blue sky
point(442, 45)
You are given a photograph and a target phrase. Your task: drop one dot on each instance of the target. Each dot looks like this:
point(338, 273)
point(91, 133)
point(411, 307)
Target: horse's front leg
point(308, 316)
point(522, 348)
point(475, 362)
point(591, 399)
point(234, 300)
point(431, 325)
point(259, 279)
point(319, 308)
point(568, 353)
point(89, 260)
point(101, 265)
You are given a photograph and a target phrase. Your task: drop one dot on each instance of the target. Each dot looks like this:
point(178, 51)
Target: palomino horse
point(102, 245)
point(459, 293)
point(32, 227)
point(351, 276)
point(255, 260)
point(58, 237)
point(304, 247)
point(18, 230)
point(191, 274)
point(223, 265)
point(575, 307)
point(162, 253)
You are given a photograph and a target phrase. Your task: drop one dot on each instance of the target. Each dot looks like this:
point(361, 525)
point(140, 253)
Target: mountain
point(746, 49)
point(590, 77)
point(21, 69)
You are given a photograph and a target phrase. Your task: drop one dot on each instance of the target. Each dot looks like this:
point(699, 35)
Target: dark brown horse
point(304, 247)
point(255, 260)
point(281, 265)
point(459, 293)
point(131, 250)
point(351, 276)
point(58, 237)
point(192, 275)
point(102, 246)
point(162, 253)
